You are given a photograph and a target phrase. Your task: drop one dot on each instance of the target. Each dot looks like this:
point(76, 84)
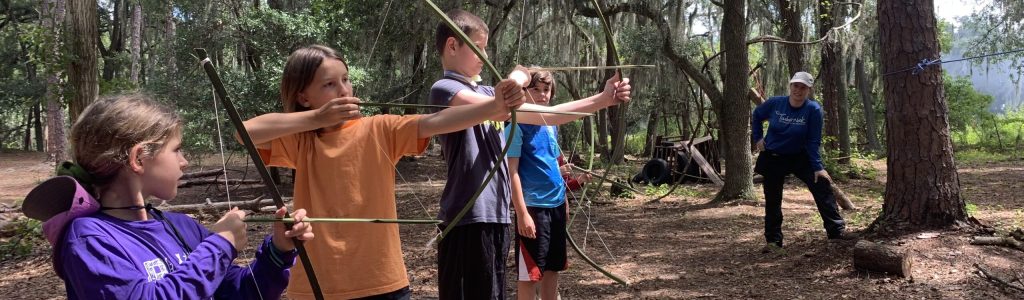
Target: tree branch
point(682, 63)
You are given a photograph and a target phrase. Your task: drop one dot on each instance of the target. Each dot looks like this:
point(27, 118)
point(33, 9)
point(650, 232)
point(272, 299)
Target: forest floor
point(680, 247)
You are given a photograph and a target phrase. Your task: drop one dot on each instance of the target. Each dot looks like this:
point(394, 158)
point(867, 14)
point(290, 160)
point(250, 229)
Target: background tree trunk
point(829, 74)
point(136, 41)
point(868, 102)
point(56, 141)
point(922, 187)
point(792, 31)
point(82, 73)
point(171, 31)
point(111, 61)
point(734, 116)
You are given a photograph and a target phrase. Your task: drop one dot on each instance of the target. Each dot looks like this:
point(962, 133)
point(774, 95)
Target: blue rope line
point(919, 68)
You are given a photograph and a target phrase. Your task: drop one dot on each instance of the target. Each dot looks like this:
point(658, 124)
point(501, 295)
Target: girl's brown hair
point(299, 71)
point(108, 129)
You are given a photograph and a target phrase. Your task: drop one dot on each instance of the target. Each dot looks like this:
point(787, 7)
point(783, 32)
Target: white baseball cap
point(803, 77)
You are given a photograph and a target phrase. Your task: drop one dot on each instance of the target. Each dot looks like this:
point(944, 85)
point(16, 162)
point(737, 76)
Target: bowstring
point(227, 186)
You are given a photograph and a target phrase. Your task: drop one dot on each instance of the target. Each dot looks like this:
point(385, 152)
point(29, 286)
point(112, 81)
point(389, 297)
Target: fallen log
point(205, 181)
point(1002, 282)
point(841, 198)
point(207, 173)
point(997, 241)
point(253, 204)
point(873, 257)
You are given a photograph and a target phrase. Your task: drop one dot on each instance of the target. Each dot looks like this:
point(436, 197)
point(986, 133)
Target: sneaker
point(772, 248)
point(846, 235)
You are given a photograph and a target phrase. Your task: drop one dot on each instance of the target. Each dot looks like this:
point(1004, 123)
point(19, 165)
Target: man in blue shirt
point(791, 146)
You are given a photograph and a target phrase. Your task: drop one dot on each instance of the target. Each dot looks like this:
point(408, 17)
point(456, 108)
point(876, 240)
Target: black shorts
point(471, 262)
point(548, 251)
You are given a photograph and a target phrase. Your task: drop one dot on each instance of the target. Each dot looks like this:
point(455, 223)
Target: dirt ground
point(680, 247)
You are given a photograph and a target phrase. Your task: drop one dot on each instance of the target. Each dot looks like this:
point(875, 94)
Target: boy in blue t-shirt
point(538, 195)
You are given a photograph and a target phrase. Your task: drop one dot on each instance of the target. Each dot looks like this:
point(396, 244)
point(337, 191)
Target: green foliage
point(26, 236)
point(971, 208)
point(945, 32)
point(967, 107)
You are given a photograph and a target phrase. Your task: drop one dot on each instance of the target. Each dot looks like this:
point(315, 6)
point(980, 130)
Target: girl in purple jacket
point(128, 149)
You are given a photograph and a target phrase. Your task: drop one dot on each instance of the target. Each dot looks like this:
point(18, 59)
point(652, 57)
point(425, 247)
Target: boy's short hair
point(466, 21)
point(545, 77)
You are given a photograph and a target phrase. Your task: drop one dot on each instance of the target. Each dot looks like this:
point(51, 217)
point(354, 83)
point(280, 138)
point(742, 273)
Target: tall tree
point(52, 16)
point(734, 111)
point(82, 73)
point(922, 188)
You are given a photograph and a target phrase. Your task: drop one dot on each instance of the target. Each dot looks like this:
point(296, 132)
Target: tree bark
point(136, 41)
point(56, 141)
point(792, 31)
point(922, 188)
point(734, 115)
point(868, 104)
point(82, 73)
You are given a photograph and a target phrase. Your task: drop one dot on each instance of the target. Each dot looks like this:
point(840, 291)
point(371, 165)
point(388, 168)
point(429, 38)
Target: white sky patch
point(951, 9)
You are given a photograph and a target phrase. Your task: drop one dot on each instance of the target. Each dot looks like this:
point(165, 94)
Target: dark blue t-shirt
point(470, 154)
point(791, 130)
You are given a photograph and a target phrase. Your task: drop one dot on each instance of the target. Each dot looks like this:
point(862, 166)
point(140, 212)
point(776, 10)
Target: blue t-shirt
point(536, 146)
point(469, 155)
point(791, 130)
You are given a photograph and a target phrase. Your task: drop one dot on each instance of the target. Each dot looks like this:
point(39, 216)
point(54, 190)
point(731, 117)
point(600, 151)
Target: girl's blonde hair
point(106, 131)
point(299, 71)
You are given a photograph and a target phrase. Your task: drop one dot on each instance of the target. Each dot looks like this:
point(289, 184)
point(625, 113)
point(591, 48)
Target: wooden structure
point(689, 161)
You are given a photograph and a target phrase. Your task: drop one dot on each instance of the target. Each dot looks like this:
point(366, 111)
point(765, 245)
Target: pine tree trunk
point(734, 117)
point(136, 42)
point(867, 101)
point(82, 73)
point(922, 188)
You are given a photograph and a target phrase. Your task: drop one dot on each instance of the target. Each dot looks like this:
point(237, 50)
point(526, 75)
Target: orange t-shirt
point(350, 173)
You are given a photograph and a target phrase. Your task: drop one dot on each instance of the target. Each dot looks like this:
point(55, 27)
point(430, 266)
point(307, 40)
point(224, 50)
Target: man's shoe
point(846, 235)
point(772, 248)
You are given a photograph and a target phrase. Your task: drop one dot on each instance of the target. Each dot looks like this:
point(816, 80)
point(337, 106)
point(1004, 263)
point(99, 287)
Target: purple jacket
point(102, 257)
